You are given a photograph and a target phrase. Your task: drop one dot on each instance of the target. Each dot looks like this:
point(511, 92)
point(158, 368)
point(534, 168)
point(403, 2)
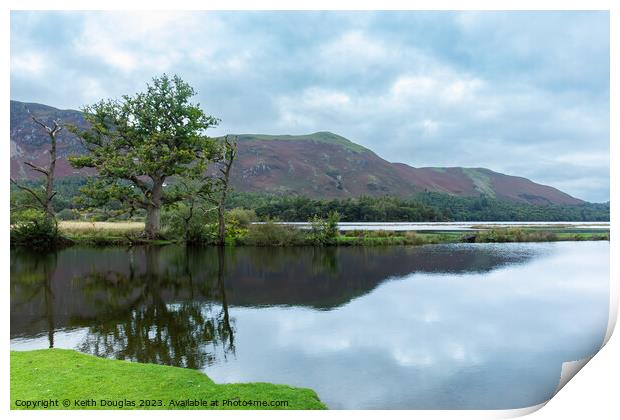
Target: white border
point(595, 386)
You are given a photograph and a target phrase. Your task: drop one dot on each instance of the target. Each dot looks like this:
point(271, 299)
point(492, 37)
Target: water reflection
point(33, 283)
point(448, 326)
point(145, 289)
point(134, 322)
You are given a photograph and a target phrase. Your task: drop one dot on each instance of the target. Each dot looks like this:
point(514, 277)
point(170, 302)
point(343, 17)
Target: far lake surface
point(458, 326)
point(454, 226)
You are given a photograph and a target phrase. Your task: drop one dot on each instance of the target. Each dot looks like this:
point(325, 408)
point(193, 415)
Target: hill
point(320, 165)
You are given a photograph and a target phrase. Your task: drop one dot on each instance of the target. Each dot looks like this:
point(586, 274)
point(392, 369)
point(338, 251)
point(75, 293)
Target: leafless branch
point(28, 190)
point(37, 168)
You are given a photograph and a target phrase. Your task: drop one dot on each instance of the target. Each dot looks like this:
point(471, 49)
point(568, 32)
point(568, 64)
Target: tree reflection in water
point(160, 315)
point(35, 282)
point(170, 305)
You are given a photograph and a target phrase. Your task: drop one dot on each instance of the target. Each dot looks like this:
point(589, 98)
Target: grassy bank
point(127, 233)
point(371, 238)
point(66, 375)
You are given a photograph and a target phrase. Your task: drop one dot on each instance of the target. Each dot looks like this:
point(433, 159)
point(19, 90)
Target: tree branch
point(140, 184)
point(37, 168)
point(39, 122)
point(30, 191)
point(51, 131)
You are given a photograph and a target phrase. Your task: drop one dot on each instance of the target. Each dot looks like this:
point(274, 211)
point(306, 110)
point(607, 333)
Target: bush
point(193, 226)
point(68, 214)
point(324, 231)
point(243, 217)
point(271, 234)
point(99, 217)
point(26, 215)
point(35, 232)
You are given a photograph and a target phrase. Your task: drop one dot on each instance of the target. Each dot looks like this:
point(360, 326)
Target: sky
point(523, 93)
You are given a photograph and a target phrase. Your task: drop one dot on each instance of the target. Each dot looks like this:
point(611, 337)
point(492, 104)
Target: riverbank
point(66, 375)
point(283, 235)
point(371, 238)
point(128, 233)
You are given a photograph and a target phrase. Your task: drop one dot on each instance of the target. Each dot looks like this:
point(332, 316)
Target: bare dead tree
point(222, 184)
point(45, 200)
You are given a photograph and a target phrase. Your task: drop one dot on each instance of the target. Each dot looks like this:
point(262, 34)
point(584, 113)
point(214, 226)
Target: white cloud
point(31, 64)
point(461, 89)
point(414, 86)
point(355, 48)
point(430, 126)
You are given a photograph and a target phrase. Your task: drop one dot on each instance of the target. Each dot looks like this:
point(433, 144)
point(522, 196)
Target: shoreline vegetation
point(67, 375)
point(318, 233)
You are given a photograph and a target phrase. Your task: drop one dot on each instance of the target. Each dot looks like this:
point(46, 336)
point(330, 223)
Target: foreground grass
point(68, 375)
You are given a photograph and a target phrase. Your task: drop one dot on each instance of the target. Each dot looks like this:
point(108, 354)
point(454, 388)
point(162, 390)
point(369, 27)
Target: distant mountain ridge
point(320, 165)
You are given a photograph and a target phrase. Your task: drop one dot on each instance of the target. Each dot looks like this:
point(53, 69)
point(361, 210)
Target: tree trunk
point(153, 210)
point(226, 318)
point(153, 222)
point(45, 201)
point(49, 185)
point(230, 152)
point(221, 236)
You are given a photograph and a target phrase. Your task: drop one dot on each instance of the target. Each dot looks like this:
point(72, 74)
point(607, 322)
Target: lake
point(454, 226)
point(457, 326)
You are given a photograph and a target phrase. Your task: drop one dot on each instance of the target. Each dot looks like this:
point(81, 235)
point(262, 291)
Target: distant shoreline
point(288, 234)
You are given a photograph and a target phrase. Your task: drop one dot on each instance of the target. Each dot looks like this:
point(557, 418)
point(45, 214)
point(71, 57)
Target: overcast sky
point(524, 93)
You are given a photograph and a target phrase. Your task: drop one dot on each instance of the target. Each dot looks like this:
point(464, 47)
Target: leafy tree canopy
point(136, 143)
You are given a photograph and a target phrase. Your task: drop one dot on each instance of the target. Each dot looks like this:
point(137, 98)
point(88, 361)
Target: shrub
point(99, 217)
point(324, 231)
point(234, 231)
point(192, 225)
point(243, 217)
point(272, 234)
point(68, 214)
point(35, 231)
point(25, 216)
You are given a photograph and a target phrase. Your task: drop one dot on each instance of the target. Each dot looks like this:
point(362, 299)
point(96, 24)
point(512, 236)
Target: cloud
point(354, 48)
point(31, 64)
point(525, 93)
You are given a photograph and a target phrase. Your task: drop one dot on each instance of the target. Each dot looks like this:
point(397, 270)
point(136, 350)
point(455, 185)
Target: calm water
point(453, 226)
point(444, 326)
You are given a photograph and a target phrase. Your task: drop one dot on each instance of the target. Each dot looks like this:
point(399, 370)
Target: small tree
point(135, 144)
point(221, 184)
point(203, 195)
point(190, 217)
point(44, 200)
point(324, 231)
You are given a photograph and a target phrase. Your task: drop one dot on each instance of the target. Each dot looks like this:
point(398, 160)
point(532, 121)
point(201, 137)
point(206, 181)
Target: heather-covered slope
point(322, 165)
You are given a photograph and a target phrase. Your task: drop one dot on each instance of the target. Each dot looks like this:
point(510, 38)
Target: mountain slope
point(321, 165)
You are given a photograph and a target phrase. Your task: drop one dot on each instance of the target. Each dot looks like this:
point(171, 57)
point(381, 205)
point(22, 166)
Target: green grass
point(481, 180)
point(538, 235)
point(382, 237)
point(66, 374)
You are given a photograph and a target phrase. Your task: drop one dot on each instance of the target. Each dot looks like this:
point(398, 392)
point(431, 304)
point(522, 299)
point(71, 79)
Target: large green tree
point(138, 142)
